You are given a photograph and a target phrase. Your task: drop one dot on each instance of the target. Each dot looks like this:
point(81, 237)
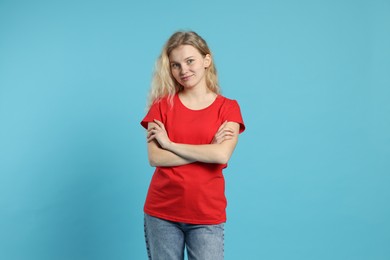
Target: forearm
point(164, 158)
point(207, 153)
point(164, 152)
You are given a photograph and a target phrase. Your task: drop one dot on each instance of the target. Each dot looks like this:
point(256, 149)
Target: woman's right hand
point(223, 133)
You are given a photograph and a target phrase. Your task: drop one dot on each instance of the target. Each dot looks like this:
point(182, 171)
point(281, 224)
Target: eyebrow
point(190, 57)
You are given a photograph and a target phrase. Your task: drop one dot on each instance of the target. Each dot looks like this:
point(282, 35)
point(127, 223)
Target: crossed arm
point(163, 152)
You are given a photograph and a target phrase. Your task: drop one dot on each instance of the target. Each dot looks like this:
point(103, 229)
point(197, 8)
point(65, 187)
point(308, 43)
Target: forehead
point(182, 52)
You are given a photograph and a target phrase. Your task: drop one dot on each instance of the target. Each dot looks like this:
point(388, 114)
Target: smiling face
point(188, 66)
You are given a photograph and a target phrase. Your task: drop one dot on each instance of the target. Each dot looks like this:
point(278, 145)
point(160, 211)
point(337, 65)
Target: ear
point(207, 61)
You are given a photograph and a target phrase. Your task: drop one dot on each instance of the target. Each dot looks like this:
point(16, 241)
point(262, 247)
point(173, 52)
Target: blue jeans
point(165, 240)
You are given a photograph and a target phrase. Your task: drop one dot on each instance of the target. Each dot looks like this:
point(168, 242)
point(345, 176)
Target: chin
point(187, 85)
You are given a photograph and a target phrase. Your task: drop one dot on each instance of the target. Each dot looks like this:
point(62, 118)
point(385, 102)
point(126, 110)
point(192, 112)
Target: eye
point(190, 61)
point(175, 65)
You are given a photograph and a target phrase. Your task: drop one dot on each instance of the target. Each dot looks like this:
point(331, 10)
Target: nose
point(183, 69)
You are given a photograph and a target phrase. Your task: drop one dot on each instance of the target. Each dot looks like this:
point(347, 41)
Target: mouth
point(186, 78)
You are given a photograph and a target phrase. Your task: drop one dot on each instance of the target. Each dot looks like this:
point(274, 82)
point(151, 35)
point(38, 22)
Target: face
point(188, 66)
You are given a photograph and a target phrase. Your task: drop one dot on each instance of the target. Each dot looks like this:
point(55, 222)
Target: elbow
point(223, 158)
point(153, 162)
point(224, 153)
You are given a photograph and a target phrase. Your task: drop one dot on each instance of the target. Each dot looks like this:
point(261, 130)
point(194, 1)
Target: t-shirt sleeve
point(153, 113)
point(233, 114)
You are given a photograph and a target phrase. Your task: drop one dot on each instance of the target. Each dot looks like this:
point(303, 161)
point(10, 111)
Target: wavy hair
point(163, 84)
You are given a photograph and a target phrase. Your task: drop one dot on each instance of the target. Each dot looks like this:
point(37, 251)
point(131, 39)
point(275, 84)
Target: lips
point(186, 78)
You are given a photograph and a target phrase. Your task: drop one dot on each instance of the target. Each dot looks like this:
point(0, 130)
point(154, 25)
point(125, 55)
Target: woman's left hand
point(158, 132)
point(224, 133)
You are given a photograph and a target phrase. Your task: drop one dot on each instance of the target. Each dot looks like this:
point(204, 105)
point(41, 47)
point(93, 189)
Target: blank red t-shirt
point(192, 193)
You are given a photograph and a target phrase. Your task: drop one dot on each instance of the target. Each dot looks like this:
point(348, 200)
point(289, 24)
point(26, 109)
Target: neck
point(196, 93)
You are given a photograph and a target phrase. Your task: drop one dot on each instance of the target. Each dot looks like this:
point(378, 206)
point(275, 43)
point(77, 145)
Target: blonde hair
point(163, 84)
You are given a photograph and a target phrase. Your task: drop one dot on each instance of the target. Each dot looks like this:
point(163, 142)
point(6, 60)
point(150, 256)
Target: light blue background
point(309, 179)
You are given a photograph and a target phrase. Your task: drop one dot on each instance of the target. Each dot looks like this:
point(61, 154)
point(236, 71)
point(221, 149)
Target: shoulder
point(231, 111)
point(227, 99)
point(228, 102)
point(162, 102)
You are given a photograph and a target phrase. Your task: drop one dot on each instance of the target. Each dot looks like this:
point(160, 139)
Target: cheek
point(199, 67)
point(175, 74)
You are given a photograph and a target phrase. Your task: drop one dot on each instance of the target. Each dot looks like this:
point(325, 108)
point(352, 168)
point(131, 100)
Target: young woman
point(192, 131)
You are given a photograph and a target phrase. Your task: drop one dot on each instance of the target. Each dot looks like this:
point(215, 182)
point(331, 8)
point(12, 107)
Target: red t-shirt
point(192, 193)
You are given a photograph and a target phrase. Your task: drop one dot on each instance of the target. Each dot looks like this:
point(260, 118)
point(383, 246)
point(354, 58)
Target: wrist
point(168, 145)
